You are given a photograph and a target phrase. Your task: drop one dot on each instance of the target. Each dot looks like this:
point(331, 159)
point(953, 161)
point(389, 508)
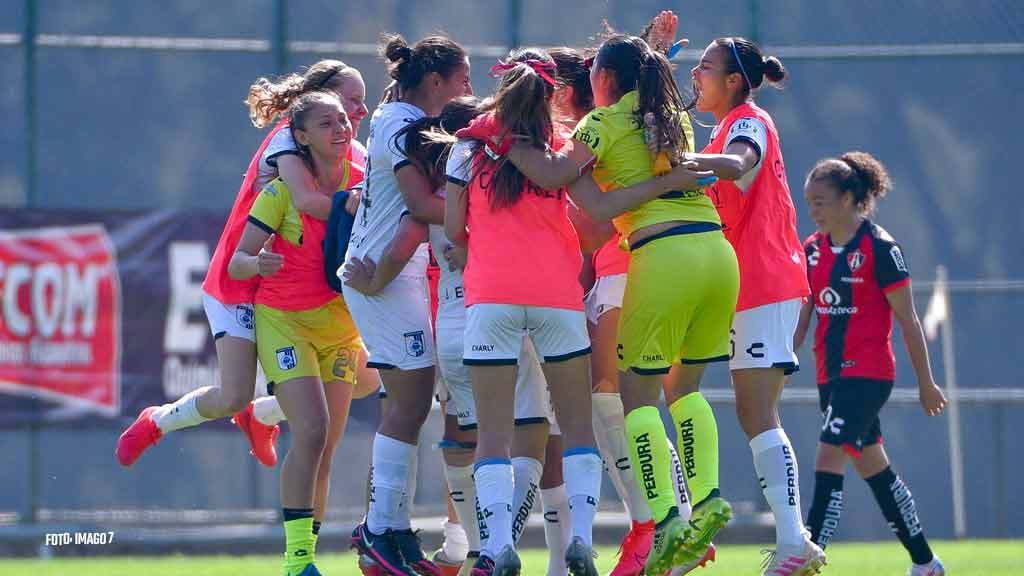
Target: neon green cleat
point(670, 535)
point(708, 518)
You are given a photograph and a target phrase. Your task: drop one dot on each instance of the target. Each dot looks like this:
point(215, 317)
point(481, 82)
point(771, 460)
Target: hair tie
point(541, 67)
point(736, 54)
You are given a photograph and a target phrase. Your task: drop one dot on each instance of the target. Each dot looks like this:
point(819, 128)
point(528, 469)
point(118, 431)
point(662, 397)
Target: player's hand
point(358, 274)
point(932, 398)
point(355, 195)
point(456, 257)
point(268, 262)
point(685, 176)
point(663, 34)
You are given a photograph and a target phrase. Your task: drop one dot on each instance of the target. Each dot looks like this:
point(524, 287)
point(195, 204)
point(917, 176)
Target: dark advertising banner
point(101, 313)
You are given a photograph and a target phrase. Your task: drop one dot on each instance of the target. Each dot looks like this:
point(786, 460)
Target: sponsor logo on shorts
point(482, 347)
point(286, 358)
point(653, 358)
point(344, 366)
point(414, 344)
point(245, 316)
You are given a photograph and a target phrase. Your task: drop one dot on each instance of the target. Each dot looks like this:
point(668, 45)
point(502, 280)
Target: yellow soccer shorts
point(679, 304)
point(320, 342)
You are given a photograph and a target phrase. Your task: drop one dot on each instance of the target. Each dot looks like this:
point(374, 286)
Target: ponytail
point(746, 58)
point(408, 65)
point(268, 100)
point(857, 173)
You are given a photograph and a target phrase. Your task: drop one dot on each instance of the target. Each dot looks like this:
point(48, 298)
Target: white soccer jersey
point(382, 205)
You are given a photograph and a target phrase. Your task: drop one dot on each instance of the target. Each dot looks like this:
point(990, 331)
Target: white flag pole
point(956, 459)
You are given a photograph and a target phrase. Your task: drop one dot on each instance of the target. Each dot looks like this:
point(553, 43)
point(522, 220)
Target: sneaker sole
point(714, 519)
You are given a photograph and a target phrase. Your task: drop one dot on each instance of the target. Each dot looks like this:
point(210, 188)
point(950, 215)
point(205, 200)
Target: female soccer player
point(753, 200)
point(227, 301)
point(675, 239)
point(395, 324)
point(859, 278)
point(426, 144)
point(307, 344)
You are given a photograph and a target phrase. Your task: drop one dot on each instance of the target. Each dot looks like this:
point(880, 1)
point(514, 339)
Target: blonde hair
point(268, 100)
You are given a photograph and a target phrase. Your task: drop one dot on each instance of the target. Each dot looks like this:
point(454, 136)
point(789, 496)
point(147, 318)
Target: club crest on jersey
point(286, 358)
point(414, 344)
point(855, 259)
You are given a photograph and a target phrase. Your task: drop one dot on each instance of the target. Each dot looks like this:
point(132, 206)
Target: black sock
point(898, 507)
point(826, 507)
point(296, 513)
point(316, 527)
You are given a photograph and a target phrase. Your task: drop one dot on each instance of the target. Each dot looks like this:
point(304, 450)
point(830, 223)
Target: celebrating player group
point(587, 259)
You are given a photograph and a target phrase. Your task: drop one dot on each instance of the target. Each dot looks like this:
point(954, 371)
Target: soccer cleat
point(803, 561)
point(483, 566)
point(261, 437)
point(634, 550)
point(709, 556)
point(367, 566)
point(382, 549)
point(448, 566)
point(933, 568)
point(580, 558)
point(309, 570)
point(669, 538)
point(708, 518)
point(408, 543)
point(142, 434)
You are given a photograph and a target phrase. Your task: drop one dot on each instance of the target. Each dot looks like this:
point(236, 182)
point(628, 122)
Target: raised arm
point(738, 158)
point(371, 277)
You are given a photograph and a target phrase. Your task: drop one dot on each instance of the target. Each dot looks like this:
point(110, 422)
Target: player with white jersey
point(395, 324)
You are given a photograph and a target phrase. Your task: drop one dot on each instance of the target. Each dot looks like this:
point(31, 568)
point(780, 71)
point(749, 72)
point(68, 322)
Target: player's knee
point(235, 400)
point(830, 458)
point(310, 433)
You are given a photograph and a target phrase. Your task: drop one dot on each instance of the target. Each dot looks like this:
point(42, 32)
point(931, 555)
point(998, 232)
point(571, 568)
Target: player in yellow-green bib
point(681, 289)
point(306, 340)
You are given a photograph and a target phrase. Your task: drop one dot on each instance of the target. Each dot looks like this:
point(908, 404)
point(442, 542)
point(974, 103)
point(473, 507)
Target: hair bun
point(774, 71)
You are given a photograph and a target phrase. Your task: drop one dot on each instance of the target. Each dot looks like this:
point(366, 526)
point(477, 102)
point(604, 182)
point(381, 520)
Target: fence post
point(280, 42)
point(31, 109)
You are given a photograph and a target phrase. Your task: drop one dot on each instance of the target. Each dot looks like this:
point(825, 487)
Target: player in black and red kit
point(859, 279)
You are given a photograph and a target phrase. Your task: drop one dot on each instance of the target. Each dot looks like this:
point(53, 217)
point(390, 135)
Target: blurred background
point(123, 149)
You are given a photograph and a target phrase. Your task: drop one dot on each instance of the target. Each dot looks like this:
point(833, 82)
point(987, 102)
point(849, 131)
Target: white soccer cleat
point(803, 561)
point(933, 568)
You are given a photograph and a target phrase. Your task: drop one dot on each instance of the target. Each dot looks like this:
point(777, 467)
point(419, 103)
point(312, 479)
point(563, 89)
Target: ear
point(300, 137)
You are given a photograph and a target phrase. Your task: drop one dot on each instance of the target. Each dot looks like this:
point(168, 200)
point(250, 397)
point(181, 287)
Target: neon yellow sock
point(652, 464)
point(698, 443)
point(300, 545)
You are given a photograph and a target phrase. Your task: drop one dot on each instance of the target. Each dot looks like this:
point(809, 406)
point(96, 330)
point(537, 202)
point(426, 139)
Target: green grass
point(969, 558)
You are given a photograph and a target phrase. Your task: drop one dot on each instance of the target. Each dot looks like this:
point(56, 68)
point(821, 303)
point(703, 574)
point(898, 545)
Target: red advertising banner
point(60, 319)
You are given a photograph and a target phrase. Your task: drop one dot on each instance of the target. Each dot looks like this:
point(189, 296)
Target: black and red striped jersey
point(853, 338)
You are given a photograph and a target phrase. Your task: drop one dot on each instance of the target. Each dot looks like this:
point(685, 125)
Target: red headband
point(544, 69)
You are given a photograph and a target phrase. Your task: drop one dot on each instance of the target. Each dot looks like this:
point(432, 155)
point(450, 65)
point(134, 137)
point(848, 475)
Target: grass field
point(969, 558)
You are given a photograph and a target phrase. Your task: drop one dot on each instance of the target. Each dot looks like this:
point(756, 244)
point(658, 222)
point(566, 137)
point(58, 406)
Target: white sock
point(180, 414)
point(610, 433)
point(775, 463)
point(463, 493)
point(456, 544)
point(682, 495)
point(403, 520)
point(494, 487)
point(557, 527)
point(267, 410)
point(527, 473)
point(391, 463)
point(582, 470)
